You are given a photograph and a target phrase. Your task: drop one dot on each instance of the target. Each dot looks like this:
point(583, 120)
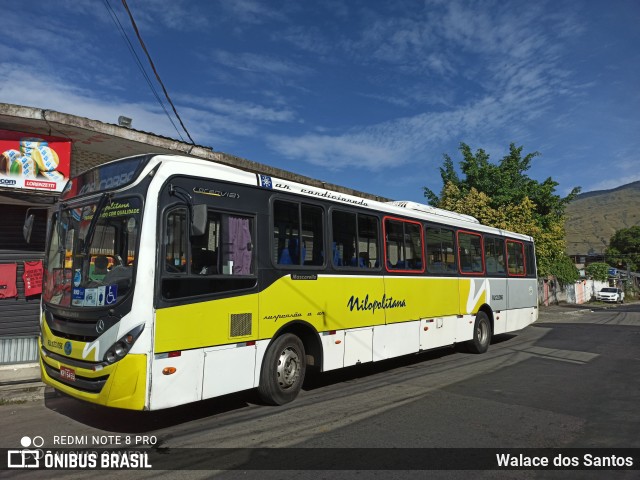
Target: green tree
point(503, 196)
point(598, 271)
point(624, 248)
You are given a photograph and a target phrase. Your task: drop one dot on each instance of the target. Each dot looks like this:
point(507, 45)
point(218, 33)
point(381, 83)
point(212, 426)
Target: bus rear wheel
point(283, 370)
point(481, 334)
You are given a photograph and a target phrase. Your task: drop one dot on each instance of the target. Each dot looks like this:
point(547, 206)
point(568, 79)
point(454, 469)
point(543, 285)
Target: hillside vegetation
point(593, 217)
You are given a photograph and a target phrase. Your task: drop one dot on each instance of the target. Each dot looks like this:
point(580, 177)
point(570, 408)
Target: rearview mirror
point(27, 228)
point(198, 220)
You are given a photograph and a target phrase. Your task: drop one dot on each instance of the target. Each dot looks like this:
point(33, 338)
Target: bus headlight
point(119, 349)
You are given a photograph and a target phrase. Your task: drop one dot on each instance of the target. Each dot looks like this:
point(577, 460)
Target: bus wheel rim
point(482, 332)
point(288, 368)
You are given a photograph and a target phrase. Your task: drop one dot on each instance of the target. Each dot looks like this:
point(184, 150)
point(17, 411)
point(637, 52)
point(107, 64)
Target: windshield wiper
point(91, 230)
point(62, 236)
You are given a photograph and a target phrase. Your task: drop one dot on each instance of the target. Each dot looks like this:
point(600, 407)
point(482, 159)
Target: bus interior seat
point(285, 257)
point(337, 260)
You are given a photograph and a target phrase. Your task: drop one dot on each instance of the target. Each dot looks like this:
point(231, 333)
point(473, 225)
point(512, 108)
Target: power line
point(119, 26)
point(153, 67)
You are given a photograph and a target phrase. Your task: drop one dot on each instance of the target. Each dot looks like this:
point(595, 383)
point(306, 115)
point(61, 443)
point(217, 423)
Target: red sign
point(8, 286)
point(32, 277)
point(34, 162)
point(40, 184)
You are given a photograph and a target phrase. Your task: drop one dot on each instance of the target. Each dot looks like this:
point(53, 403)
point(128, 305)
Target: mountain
point(593, 217)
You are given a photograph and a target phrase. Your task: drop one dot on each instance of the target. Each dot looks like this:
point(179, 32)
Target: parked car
point(610, 294)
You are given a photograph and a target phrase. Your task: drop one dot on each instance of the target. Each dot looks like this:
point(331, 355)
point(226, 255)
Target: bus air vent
point(421, 207)
point(240, 324)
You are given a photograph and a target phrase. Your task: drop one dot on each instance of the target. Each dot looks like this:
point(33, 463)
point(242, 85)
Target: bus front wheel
point(283, 370)
point(481, 334)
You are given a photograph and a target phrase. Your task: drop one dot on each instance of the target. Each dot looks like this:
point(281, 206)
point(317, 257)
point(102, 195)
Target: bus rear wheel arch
point(283, 370)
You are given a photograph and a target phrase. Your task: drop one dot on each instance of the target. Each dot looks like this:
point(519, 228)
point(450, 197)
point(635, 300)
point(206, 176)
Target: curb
point(21, 392)
point(20, 383)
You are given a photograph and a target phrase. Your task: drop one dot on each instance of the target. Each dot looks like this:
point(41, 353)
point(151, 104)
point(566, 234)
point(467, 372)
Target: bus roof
point(210, 169)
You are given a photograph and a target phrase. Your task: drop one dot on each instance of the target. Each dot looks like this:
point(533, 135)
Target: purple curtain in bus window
point(239, 240)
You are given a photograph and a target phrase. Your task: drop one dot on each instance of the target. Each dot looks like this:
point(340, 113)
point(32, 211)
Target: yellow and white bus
point(170, 280)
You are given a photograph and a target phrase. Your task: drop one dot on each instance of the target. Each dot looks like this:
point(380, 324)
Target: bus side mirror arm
point(198, 212)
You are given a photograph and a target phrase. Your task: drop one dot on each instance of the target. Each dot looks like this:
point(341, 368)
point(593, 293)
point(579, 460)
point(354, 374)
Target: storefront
point(33, 170)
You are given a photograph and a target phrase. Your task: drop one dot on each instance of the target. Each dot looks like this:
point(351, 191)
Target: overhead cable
point(133, 52)
point(153, 67)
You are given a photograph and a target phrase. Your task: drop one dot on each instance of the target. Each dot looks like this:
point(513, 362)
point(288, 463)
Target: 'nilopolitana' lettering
point(366, 304)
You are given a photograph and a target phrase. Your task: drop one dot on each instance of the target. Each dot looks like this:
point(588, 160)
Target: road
point(572, 380)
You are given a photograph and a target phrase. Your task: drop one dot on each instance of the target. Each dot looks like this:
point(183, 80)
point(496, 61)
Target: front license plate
point(67, 374)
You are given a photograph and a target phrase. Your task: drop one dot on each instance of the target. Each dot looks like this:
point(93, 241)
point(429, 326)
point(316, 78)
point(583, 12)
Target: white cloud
point(500, 59)
point(337, 152)
point(245, 111)
point(263, 64)
point(154, 16)
point(611, 183)
point(403, 141)
point(213, 121)
point(253, 12)
point(50, 92)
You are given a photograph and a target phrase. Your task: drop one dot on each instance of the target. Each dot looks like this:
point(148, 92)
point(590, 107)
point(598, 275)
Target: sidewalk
point(20, 383)
point(593, 306)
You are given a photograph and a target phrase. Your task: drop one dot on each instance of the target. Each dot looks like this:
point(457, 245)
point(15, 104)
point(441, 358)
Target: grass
point(4, 401)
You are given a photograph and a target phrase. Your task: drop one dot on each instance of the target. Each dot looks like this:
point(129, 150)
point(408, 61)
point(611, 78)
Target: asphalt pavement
point(21, 382)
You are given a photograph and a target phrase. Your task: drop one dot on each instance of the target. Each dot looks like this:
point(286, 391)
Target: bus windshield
point(90, 261)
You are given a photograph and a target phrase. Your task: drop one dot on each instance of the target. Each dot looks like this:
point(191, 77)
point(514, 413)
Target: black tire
point(283, 369)
point(481, 334)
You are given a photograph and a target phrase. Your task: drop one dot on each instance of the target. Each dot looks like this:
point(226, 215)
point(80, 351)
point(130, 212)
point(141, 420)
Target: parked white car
point(610, 294)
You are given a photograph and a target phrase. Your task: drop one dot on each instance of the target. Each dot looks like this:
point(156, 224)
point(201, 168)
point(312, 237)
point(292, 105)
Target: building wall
point(82, 160)
point(550, 292)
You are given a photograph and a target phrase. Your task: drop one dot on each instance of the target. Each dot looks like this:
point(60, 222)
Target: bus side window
point(470, 253)
point(403, 245)
point(441, 256)
point(515, 258)
point(368, 241)
point(355, 240)
point(530, 260)
point(220, 260)
point(298, 237)
point(494, 255)
point(226, 246)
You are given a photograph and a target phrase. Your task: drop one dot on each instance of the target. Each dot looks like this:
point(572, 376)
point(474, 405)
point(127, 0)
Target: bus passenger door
point(207, 321)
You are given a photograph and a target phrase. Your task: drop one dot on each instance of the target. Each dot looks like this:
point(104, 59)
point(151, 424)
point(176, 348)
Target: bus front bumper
point(120, 385)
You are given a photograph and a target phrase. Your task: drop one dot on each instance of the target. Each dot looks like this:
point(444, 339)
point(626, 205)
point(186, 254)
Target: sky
point(366, 94)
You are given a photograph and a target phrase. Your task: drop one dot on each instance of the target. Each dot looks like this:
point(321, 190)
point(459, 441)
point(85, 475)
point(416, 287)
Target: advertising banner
point(34, 162)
